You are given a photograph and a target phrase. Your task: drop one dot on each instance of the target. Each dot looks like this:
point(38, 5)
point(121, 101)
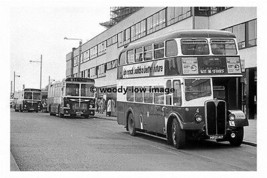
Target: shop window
point(252, 33)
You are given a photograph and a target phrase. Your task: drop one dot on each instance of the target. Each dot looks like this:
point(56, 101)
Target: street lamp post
point(80, 52)
point(41, 63)
point(15, 81)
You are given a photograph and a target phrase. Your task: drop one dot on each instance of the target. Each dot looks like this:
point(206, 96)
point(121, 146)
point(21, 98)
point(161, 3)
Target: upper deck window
point(171, 48)
point(139, 54)
point(195, 47)
point(130, 56)
point(223, 47)
point(122, 59)
point(159, 50)
point(148, 52)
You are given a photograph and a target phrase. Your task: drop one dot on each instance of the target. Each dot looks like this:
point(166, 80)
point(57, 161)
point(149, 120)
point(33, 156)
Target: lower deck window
point(197, 88)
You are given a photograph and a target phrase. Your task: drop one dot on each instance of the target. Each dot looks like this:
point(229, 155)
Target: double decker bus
point(29, 99)
point(71, 97)
point(183, 85)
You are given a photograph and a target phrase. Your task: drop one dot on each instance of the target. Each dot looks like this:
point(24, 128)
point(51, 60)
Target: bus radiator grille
point(215, 112)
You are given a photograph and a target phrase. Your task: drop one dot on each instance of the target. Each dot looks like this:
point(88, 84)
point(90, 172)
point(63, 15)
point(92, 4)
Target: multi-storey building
point(99, 55)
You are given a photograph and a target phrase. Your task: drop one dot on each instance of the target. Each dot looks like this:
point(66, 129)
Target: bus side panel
point(138, 112)
point(149, 119)
point(121, 113)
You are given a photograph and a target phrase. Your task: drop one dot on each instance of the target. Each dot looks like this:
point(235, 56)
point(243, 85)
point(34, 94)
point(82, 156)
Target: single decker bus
point(29, 99)
point(71, 97)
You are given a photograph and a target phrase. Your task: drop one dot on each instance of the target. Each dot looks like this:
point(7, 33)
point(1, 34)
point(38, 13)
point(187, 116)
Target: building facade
point(99, 55)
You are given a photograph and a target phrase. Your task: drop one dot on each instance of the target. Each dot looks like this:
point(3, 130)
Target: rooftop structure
point(117, 14)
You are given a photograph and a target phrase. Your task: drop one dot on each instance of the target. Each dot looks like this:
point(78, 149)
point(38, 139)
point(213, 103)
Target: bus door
point(228, 89)
point(156, 115)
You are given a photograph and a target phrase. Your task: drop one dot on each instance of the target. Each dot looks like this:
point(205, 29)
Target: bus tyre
point(16, 110)
point(131, 126)
point(86, 116)
point(238, 139)
point(178, 135)
point(20, 110)
point(59, 113)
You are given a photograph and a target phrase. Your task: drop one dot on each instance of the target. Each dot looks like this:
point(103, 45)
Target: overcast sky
point(40, 29)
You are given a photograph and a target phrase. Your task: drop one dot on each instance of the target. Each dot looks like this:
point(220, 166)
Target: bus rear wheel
point(59, 113)
point(131, 125)
point(16, 110)
point(177, 135)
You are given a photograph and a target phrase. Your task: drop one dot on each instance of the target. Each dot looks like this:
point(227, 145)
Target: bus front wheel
point(131, 125)
point(59, 113)
point(237, 138)
point(178, 135)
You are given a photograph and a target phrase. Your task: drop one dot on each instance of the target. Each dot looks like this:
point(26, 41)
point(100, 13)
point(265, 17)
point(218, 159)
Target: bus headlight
point(68, 105)
point(198, 118)
point(90, 106)
point(231, 117)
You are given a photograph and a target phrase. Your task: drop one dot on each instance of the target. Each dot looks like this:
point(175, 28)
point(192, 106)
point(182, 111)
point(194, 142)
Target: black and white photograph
point(98, 87)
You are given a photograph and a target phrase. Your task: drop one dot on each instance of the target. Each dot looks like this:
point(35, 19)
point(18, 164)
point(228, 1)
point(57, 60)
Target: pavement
point(13, 164)
point(250, 136)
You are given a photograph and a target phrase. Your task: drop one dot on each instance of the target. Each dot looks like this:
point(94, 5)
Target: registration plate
point(214, 137)
point(79, 113)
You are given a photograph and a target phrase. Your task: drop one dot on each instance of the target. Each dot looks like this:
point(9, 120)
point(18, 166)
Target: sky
point(37, 30)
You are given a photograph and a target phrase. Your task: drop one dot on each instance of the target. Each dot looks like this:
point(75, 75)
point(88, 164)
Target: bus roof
point(32, 89)
point(183, 34)
point(79, 79)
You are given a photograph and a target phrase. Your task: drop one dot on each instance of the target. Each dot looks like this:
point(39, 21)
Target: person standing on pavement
point(97, 105)
point(101, 106)
point(109, 108)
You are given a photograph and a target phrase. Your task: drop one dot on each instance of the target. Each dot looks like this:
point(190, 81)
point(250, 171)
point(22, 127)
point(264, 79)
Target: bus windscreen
point(197, 88)
point(72, 89)
point(36, 96)
point(223, 47)
point(86, 90)
point(195, 47)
